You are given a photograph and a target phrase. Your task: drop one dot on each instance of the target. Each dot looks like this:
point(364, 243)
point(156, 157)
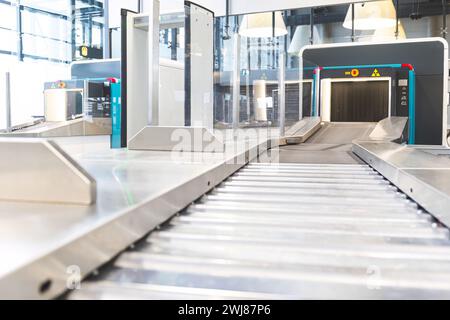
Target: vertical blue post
point(314, 107)
point(313, 95)
point(412, 107)
point(116, 115)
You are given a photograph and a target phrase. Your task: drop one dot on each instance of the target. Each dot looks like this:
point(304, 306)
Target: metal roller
point(288, 231)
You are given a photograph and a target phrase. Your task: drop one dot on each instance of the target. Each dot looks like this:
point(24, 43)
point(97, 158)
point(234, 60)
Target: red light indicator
point(355, 73)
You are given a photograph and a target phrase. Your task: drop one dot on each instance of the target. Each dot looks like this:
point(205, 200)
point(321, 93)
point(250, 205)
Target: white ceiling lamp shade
point(383, 35)
point(260, 25)
point(301, 38)
point(388, 34)
point(372, 15)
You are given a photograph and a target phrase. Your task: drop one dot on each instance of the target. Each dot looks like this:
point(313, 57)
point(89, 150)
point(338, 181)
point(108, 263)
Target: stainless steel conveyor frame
point(137, 192)
point(292, 231)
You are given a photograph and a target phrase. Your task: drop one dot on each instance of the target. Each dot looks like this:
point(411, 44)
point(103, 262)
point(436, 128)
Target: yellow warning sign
point(376, 73)
point(84, 51)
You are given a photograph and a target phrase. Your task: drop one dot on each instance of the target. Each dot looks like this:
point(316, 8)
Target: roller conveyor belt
point(288, 231)
point(319, 225)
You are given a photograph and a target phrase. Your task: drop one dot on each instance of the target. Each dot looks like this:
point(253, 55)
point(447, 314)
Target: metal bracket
point(390, 129)
point(302, 130)
point(38, 170)
point(188, 139)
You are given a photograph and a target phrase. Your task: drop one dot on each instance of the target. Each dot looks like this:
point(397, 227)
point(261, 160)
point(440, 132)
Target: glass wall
point(8, 29)
point(87, 20)
point(172, 38)
point(248, 65)
point(39, 40)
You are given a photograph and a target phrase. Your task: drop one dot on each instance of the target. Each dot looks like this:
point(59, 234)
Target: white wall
point(27, 87)
point(115, 7)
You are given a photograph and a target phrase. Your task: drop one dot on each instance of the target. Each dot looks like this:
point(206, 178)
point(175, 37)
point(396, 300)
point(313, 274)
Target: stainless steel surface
point(436, 150)
point(422, 176)
point(24, 125)
point(342, 133)
point(42, 244)
point(187, 139)
point(310, 230)
point(302, 130)
point(331, 144)
point(39, 171)
point(293, 231)
point(71, 128)
point(390, 129)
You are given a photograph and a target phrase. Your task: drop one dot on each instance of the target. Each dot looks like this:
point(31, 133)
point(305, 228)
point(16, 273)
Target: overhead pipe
point(311, 23)
point(444, 19)
point(226, 35)
point(397, 18)
point(353, 22)
point(273, 24)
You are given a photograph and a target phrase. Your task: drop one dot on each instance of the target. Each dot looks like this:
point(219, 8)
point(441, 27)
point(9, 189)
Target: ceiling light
point(372, 15)
point(389, 33)
point(260, 25)
point(383, 35)
point(301, 38)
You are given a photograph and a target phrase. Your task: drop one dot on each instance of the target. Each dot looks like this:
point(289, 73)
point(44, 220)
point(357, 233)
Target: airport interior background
point(40, 39)
point(224, 149)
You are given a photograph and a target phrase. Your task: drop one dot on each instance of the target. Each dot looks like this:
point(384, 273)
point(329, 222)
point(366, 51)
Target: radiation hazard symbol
point(376, 73)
